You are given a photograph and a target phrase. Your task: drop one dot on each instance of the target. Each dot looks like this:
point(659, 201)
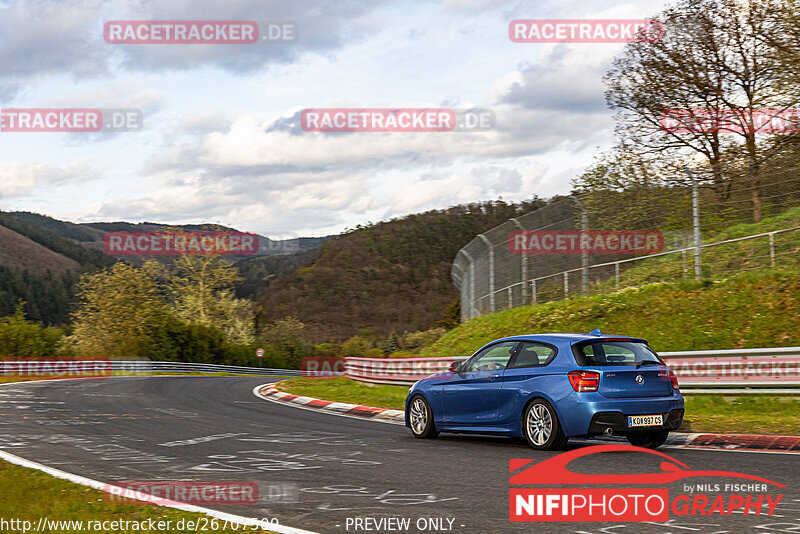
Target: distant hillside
point(41, 259)
point(49, 233)
point(20, 252)
point(389, 277)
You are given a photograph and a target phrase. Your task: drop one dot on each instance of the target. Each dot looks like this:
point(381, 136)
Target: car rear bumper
point(617, 422)
point(592, 413)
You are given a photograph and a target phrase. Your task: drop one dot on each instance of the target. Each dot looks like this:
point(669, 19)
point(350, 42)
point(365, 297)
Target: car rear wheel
point(420, 418)
point(649, 439)
point(541, 427)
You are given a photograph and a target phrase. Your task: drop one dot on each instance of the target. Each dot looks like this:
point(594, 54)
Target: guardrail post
point(566, 284)
point(772, 249)
point(491, 271)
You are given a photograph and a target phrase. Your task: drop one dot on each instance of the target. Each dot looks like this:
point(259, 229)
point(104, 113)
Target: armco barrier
point(185, 367)
point(148, 367)
point(738, 370)
point(395, 370)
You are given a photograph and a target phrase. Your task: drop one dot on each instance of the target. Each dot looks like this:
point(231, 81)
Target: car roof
point(554, 338)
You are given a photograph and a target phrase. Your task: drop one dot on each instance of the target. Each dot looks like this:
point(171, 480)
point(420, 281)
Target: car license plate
point(645, 420)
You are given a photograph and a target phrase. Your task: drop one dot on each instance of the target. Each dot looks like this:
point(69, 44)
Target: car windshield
point(604, 353)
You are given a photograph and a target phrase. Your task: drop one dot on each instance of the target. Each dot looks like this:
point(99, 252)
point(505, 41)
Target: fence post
point(491, 271)
point(534, 292)
point(683, 258)
point(616, 274)
point(566, 284)
point(523, 259)
point(472, 310)
point(695, 223)
point(508, 292)
point(772, 249)
point(584, 254)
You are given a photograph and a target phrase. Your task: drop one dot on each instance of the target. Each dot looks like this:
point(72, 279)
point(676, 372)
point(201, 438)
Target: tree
point(286, 337)
point(200, 290)
point(119, 307)
point(716, 56)
point(22, 338)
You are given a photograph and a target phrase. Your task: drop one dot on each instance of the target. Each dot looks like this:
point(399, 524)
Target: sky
point(221, 140)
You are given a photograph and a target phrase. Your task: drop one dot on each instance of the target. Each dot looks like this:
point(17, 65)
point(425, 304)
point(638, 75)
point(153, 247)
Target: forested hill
point(41, 259)
point(389, 277)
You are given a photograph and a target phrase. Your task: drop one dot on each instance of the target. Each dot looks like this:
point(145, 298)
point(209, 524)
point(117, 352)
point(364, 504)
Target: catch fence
point(585, 244)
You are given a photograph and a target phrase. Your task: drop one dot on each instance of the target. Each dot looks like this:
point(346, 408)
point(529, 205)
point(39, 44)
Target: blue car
point(550, 387)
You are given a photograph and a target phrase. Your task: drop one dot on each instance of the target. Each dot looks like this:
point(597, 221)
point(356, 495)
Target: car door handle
point(494, 376)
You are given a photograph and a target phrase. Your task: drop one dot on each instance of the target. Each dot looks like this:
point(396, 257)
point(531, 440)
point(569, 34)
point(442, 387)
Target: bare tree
point(719, 58)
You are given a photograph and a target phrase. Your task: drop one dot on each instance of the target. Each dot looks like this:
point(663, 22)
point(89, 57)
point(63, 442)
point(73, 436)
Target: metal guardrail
point(761, 370)
point(143, 366)
point(396, 370)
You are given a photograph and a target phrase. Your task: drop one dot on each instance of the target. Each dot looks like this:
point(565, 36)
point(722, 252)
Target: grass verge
point(349, 391)
point(745, 414)
point(28, 495)
point(757, 309)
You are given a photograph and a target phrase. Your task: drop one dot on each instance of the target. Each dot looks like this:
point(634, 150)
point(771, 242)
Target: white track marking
point(102, 486)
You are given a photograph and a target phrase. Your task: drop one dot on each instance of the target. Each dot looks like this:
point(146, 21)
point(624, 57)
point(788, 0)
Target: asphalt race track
point(333, 468)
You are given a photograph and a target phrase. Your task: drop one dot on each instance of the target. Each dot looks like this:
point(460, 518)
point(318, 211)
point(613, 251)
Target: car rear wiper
point(649, 362)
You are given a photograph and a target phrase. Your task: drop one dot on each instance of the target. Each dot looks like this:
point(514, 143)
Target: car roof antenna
point(596, 332)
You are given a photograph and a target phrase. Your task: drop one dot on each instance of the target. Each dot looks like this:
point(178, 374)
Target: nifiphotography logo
point(625, 500)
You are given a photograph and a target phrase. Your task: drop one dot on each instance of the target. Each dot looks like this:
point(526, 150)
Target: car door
point(472, 396)
point(526, 373)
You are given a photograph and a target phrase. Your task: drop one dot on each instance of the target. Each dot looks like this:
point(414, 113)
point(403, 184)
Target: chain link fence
point(706, 223)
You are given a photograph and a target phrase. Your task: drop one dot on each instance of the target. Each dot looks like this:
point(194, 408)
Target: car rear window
point(603, 353)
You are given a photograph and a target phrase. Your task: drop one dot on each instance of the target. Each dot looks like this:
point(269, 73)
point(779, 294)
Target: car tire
point(420, 418)
point(541, 427)
point(648, 439)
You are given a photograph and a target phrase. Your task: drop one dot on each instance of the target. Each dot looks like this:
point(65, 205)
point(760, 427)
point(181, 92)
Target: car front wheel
point(649, 439)
point(541, 427)
point(420, 418)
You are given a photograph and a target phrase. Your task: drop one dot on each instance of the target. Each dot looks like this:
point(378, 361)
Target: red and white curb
point(271, 393)
point(736, 442)
point(678, 440)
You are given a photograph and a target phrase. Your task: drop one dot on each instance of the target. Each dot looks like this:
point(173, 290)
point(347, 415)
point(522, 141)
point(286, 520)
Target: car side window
point(533, 354)
point(493, 358)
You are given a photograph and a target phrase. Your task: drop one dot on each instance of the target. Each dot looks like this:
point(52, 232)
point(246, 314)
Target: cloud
point(21, 178)
point(54, 37)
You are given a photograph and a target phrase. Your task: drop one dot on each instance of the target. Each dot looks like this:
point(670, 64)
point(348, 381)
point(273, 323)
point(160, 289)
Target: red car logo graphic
point(554, 470)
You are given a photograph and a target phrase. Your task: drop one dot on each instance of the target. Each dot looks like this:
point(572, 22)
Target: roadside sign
point(260, 353)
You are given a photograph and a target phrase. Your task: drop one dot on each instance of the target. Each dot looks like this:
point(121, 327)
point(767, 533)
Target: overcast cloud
point(221, 140)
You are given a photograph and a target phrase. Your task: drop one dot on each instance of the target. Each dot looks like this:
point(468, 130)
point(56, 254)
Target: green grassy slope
point(754, 309)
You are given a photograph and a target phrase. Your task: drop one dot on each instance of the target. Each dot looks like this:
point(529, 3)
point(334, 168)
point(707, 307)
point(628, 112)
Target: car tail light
point(673, 379)
point(584, 380)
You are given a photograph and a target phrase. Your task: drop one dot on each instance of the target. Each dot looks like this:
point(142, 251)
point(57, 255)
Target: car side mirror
point(454, 366)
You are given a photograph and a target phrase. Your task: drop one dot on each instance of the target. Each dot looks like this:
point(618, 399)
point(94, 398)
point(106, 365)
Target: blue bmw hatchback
point(550, 387)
